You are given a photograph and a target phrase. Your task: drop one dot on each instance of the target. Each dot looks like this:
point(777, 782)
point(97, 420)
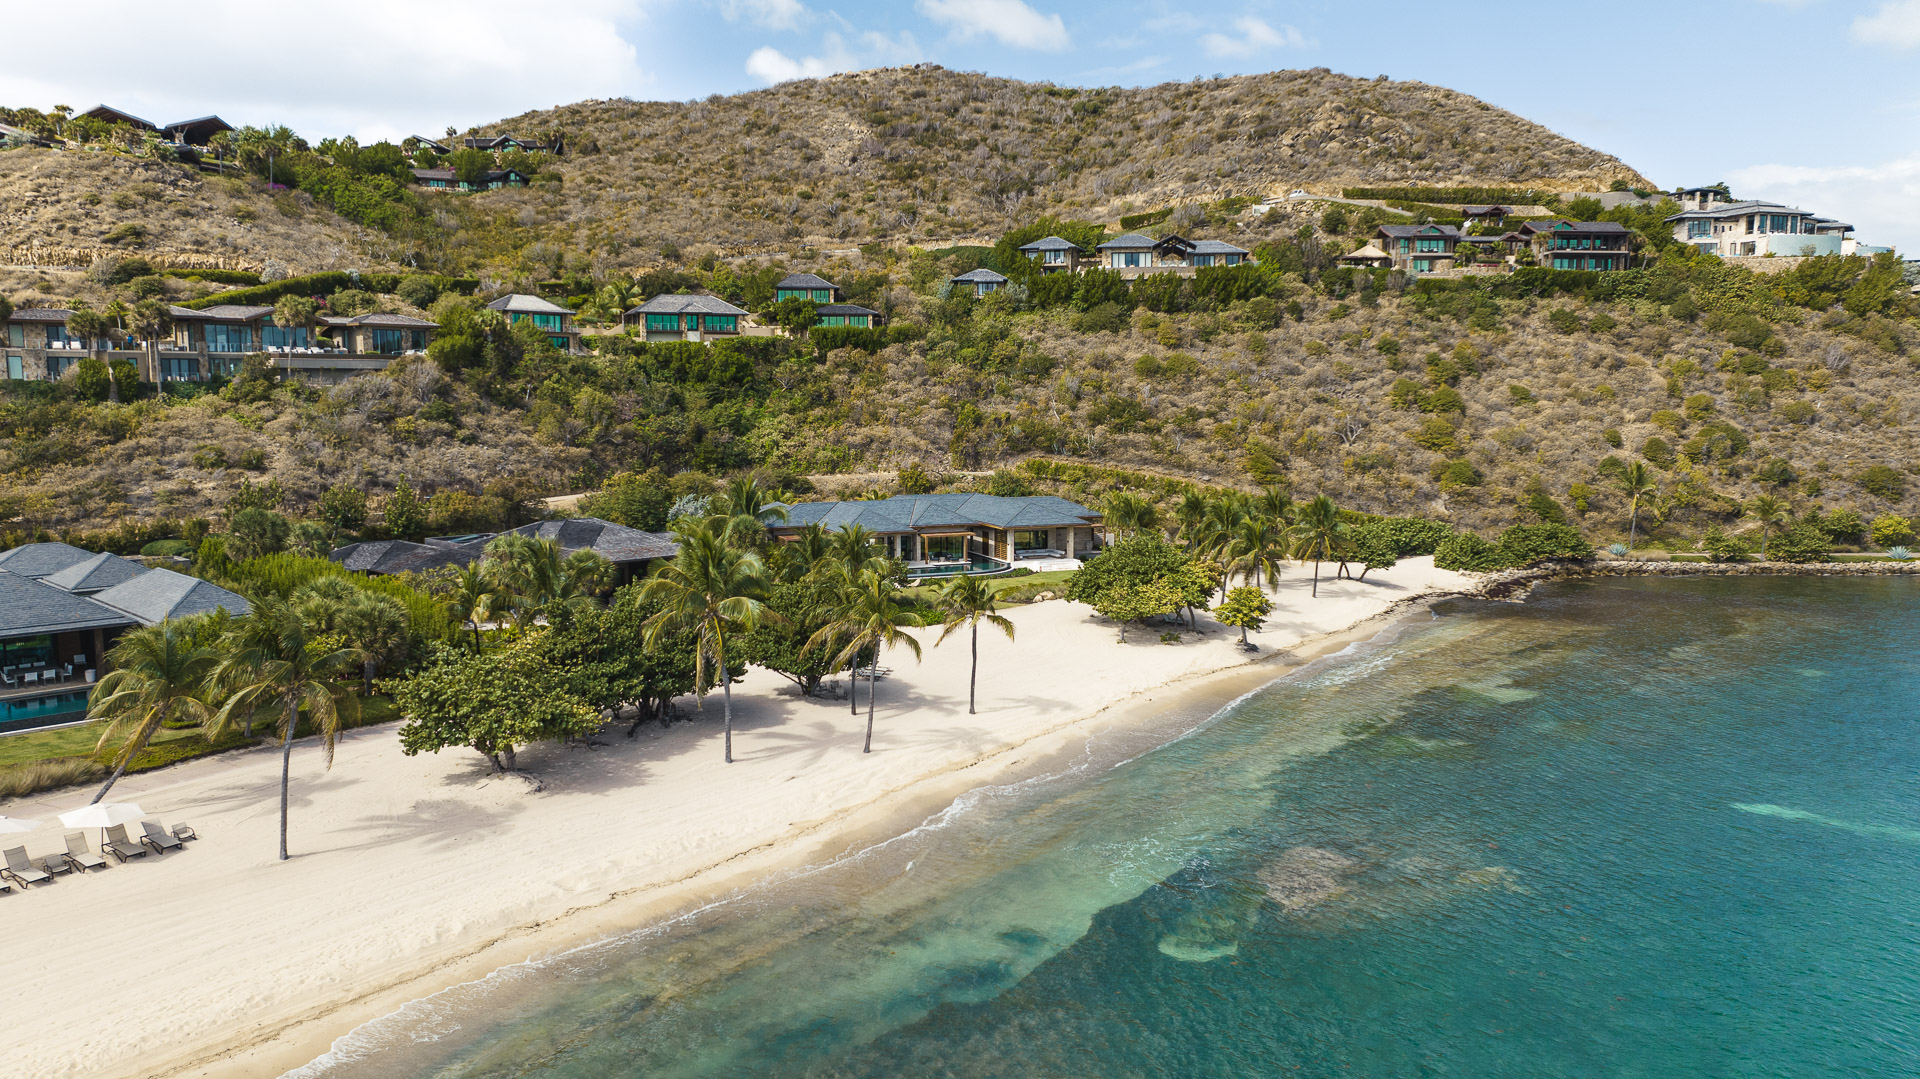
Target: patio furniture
point(118, 845)
point(7, 678)
point(19, 870)
point(56, 863)
point(157, 837)
point(80, 659)
point(89, 674)
point(82, 855)
point(185, 831)
point(31, 678)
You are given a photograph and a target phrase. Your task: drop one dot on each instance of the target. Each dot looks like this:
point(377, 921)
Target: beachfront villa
point(631, 551)
point(945, 534)
point(61, 609)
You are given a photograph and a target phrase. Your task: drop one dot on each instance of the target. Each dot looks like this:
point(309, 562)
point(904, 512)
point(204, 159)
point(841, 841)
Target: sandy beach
point(412, 873)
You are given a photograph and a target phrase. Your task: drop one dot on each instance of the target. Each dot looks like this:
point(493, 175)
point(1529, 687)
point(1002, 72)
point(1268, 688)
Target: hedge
point(324, 284)
point(1151, 217)
point(218, 277)
point(829, 338)
point(1485, 196)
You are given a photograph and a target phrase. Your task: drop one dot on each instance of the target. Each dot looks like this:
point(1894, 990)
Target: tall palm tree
point(1636, 483)
point(158, 674)
point(1190, 511)
point(472, 599)
point(269, 664)
point(297, 313)
point(1318, 533)
point(1275, 505)
point(713, 589)
point(538, 576)
point(853, 552)
point(749, 506)
point(1216, 528)
point(811, 548)
point(320, 601)
point(377, 626)
point(870, 619)
point(1256, 549)
point(1769, 510)
point(1127, 513)
point(967, 600)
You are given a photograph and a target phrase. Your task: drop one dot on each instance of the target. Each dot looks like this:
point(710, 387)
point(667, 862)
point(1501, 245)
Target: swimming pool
point(35, 712)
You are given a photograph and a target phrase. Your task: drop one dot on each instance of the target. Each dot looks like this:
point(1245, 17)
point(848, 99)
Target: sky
point(1809, 102)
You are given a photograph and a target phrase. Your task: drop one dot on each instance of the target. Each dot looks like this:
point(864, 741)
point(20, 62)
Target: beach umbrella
point(15, 824)
point(102, 815)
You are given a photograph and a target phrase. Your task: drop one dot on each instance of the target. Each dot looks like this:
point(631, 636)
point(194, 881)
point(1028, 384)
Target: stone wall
point(35, 255)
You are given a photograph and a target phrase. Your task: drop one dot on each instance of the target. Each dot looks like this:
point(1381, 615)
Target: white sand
point(412, 873)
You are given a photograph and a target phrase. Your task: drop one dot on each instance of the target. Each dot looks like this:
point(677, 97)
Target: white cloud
point(1880, 201)
point(370, 68)
point(1252, 36)
point(770, 65)
point(772, 14)
point(1010, 22)
point(1896, 25)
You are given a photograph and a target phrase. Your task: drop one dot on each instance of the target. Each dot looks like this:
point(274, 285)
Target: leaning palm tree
point(1769, 510)
point(472, 599)
point(871, 618)
point(967, 600)
point(1256, 549)
point(271, 663)
point(1318, 533)
point(158, 674)
point(1636, 483)
point(713, 589)
point(1190, 511)
point(1215, 531)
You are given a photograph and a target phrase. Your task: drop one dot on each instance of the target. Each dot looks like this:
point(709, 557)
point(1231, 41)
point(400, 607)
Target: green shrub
point(1408, 536)
point(1840, 526)
point(1892, 530)
point(1468, 553)
point(1611, 436)
point(1699, 407)
point(1721, 547)
point(1658, 451)
point(1564, 320)
point(1882, 481)
point(1140, 221)
point(1523, 545)
point(1805, 542)
point(1460, 473)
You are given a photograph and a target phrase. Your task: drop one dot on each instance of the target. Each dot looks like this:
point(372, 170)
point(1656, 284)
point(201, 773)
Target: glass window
point(222, 337)
point(1233, 260)
point(16, 369)
point(663, 323)
point(57, 365)
point(388, 342)
point(272, 336)
point(57, 337)
point(1056, 257)
point(1031, 539)
point(946, 548)
point(16, 335)
point(821, 295)
point(1203, 260)
point(1698, 228)
point(558, 342)
point(547, 322)
point(179, 368)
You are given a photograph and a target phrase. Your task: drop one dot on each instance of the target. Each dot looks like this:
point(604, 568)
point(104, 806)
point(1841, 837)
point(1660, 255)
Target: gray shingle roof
point(1050, 243)
point(1591, 228)
point(843, 309)
point(909, 513)
point(1217, 247)
point(1409, 231)
point(29, 608)
point(804, 280)
point(686, 304)
point(403, 556)
point(41, 314)
point(101, 571)
point(1735, 209)
point(981, 276)
point(223, 312)
point(160, 594)
point(615, 543)
point(1130, 240)
point(521, 303)
point(383, 318)
point(41, 559)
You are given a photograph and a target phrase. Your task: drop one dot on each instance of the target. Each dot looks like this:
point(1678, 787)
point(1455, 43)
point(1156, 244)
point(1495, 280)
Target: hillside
point(62, 211)
point(927, 155)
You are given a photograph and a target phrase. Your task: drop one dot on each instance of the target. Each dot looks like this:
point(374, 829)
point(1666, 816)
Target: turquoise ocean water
point(1630, 828)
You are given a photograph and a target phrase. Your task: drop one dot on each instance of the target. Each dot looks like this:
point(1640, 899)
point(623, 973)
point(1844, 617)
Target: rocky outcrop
point(1513, 583)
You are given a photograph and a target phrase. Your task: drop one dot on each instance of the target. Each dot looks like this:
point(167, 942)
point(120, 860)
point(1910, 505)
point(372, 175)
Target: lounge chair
point(157, 837)
point(82, 855)
point(118, 845)
point(184, 831)
point(56, 864)
point(19, 870)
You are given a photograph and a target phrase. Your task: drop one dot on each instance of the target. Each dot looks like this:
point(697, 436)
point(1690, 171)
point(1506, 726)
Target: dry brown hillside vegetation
point(64, 210)
point(926, 154)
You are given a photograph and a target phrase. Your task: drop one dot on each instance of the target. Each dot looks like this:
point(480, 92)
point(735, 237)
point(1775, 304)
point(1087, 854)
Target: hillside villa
point(61, 608)
point(557, 321)
point(210, 343)
point(686, 318)
point(806, 286)
point(1734, 229)
point(944, 534)
point(630, 550)
point(1579, 245)
point(1136, 254)
point(504, 143)
point(1419, 248)
point(198, 131)
point(448, 180)
point(1054, 254)
point(980, 282)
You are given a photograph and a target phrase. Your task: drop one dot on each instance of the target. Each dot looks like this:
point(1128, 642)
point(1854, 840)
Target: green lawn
point(1035, 580)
